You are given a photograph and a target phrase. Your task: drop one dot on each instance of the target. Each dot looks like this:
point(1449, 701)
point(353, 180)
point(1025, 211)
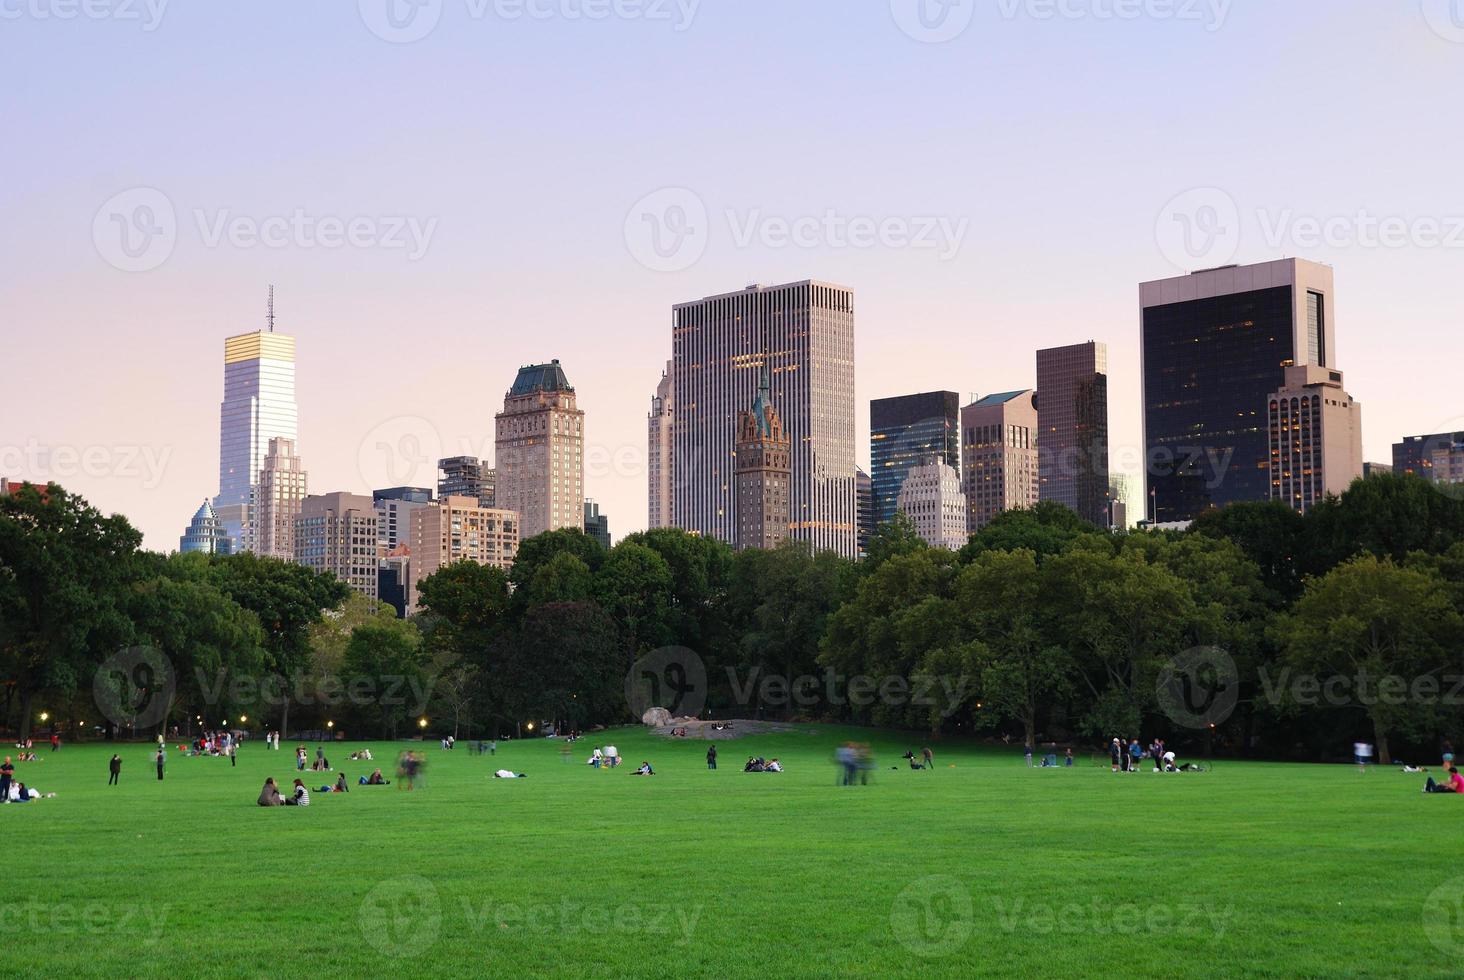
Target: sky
point(444, 190)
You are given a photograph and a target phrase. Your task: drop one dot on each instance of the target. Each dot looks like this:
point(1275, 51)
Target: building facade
point(336, 533)
point(1072, 428)
point(1315, 436)
point(205, 532)
point(464, 476)
point(459, 529)
point(718, 344)
point(660, 460)
point(1446, 465)
point(999, 459)
point(1415, 453)
point(392, 579)
point(259, 405)
point(864, 501)
point(1215, 348)
point(540, 451)
point(394, 507)
point(597, 525)
point(931, 498)
point(906, 431)
point(281, 491)
point(763, 474)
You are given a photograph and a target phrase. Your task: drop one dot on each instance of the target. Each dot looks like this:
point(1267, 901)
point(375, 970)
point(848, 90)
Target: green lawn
point(980, 867)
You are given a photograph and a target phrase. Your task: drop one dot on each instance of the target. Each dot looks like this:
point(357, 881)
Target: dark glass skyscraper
point(906, 431)
point(1216, 345)
point(1072, 428)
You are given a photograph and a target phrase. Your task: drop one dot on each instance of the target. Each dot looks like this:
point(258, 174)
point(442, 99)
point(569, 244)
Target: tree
point(633, 587)
point(1379, 628)
point(1046, 529)
point(701, 570)
point(1273, 535)
point(563, 578)
point(1388, 515)
point(385, 656)
point(537, 551)
point(563, 661)
point(892, 539)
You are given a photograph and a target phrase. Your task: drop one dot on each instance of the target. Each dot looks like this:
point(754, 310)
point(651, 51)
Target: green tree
point(385, 657)
point(892, 539)
point(1046, 529)
point(1273, 535)
point(633, 587)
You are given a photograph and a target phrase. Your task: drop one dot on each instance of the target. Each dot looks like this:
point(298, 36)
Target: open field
point(980, 867)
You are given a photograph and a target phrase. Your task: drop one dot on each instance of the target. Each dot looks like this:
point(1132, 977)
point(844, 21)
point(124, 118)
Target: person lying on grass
point(1453, 784)
point(270, 795)
point(510, 774)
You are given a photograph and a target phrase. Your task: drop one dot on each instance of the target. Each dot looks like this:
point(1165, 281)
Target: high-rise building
point(1415, 453)
point(1215, 346)
point(464, 476)
point(597, 525)
point(906, 431)
point(540, 451)
point(336, 533)
point(764, 472)
point(1315, 437)
point(1446, 465)
point(1119, 490)
point(394, 507)
point(718, 344)
point(259, 405)
point(393, 578)
point(459, 529)
point(277, 498)
point(931, 498)
point(864, 502)
point(660, 460)
point(1072, 428)
point(205, 532)
point(999, 461)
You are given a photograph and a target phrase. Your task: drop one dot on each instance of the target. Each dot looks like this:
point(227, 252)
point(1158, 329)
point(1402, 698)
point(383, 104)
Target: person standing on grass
point(233, 755)
point(115, 769)
point(55, 741)
point(1447, 750)
point(712, 756)
point(1362, 751)
point(928, 756)
point(162, 760)
point(1028, 750)
point(493, 747)
point(7, 776)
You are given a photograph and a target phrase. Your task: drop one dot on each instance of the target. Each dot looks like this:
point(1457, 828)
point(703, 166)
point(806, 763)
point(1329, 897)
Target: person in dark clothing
point(928, 756)
point(712, 757)
point(7, 774)
point(162, 761)
point(115, 768)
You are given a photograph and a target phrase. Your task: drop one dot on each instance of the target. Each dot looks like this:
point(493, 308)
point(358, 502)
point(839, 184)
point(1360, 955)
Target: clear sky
point(485, 195)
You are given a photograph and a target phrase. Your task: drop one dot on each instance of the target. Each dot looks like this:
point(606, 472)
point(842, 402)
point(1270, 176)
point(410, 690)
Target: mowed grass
point(981, 867)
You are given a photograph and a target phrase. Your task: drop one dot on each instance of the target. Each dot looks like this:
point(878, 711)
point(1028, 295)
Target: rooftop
point(540, 377)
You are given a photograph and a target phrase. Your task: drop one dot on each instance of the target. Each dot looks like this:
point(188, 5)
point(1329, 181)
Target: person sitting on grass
point(270, 795)
point(755, 764)
point(301, 796)
point(363, 756)
point(913, 763)
point(375, 779)
point(774, 766)
point(340, 783)
point(1454, 783)
point(644, 770)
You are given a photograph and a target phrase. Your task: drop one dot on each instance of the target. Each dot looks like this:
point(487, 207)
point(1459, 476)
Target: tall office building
point(394, 507)
point(205, 533)
point(459, 529)
point(864, 507)
point(540, 451)
point(1415, 453)
point(1215, 348)
point(259, 405)
point(931, 498)
point(1072, 428)
point(597, 525)
point(660, 465)
point(763, 472)
point(1315, 437)
point(906, 431)
point(277, 498)
point(336, 533)
point(393, 578)
point(807, 330)
point(464, 476)
point(999, 460)
point(1446, 465)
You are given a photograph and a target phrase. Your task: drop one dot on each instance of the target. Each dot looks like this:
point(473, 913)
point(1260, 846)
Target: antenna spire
point(269, 314)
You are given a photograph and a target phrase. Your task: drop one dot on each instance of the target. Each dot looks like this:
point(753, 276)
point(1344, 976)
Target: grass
point(981, 867)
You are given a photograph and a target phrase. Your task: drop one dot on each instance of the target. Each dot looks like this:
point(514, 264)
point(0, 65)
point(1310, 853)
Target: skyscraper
point(931, 498)
point(807, 329)
point(597, 525)
point(259, 405)
point(1215, 347)
point(1072, 428)
point(394, 507)
point(764, 470)
point(463, 476)
point(458, 529)
point(999, 461)
point(205, 533)
point(1315, 433)
point(540, 451)
point(336, 533)
point(660, 466)
point(864, 506)
point(281, 490)
point(906, 431)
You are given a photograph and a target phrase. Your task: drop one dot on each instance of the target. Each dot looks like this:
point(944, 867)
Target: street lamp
point(45, 715)
point(421, 722)
point(243, 719)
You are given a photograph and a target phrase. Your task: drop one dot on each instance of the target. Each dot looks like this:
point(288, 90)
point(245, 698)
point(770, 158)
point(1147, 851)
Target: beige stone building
point(660, 461)
point(458, 529)
point(763, 473)
point(1315, 436)
point(540, 451)
point(336, 533)
point(931, 498)
point(1000, 466)
point(280, 492)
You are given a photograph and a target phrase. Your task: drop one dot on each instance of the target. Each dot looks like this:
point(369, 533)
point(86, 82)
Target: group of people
point(927, 758)
point(759, 764)
point(411, 769)
point(855, 761)
point(606, 758)
point(12, 791)
point(28, 744)
point(299, 796)
point(321, 763)
point(1130, 758)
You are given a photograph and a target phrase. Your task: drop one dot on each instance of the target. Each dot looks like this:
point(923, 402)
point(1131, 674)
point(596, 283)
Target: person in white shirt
point(509, 774)
point(596, 758)
point(612, 756)
point(301, 797)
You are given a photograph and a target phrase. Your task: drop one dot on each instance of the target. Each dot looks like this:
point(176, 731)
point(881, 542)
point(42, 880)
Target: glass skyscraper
point(259, 405)
point(907, 431)
point(1072, 428)
point(1216, 345)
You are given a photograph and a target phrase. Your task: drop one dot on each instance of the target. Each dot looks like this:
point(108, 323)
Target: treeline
point(1257, 632)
